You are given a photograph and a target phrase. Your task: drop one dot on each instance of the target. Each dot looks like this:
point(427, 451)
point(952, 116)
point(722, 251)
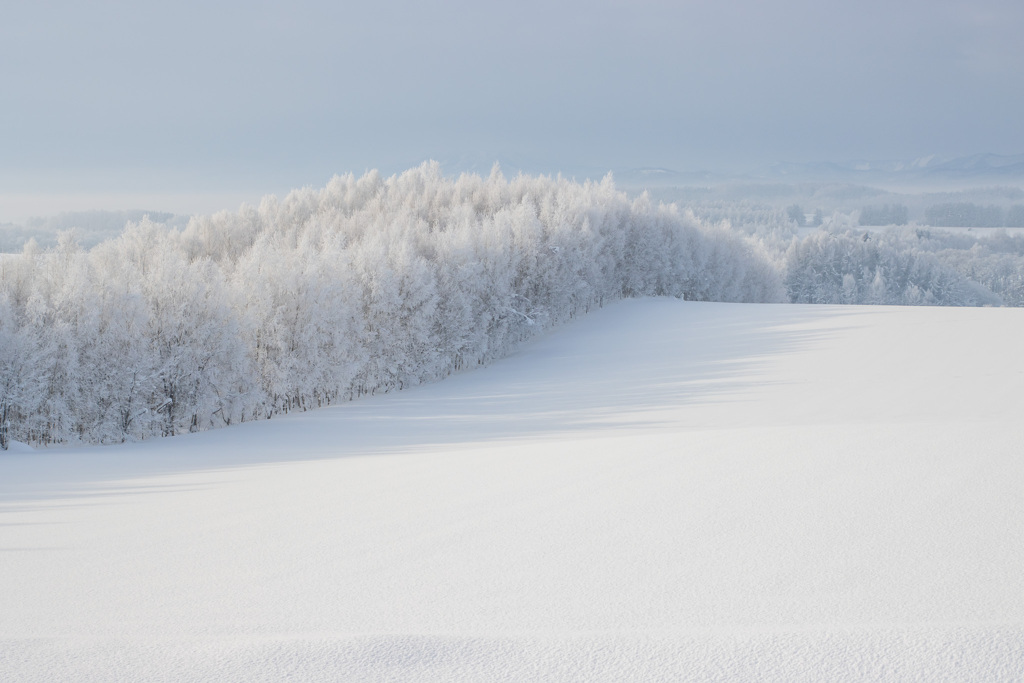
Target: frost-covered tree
point(964, 215)
point(887, 214)
point(369, 284)
point(18, 371)
point(796, 214)
point(849, 267)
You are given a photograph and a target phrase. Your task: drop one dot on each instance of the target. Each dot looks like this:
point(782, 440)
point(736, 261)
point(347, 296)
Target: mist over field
point(573, 341)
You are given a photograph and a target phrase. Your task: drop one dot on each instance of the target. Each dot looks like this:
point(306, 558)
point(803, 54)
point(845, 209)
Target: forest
point(373, 284)
point(368, 285)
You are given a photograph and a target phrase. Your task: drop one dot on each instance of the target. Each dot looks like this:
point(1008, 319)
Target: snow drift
point(659, 491)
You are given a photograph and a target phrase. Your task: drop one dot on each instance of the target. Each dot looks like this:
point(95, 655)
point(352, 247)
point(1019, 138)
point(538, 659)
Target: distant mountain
point(663, 177)
point(985, 164)
point(976, 167)
point(929, 170)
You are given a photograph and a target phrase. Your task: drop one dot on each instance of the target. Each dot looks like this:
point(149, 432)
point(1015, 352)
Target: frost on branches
point(367, 285)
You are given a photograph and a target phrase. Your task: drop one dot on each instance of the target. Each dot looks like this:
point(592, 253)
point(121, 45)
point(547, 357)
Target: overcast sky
point(252, 96)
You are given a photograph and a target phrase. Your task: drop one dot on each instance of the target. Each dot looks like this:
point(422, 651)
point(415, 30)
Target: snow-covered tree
point(369, 284)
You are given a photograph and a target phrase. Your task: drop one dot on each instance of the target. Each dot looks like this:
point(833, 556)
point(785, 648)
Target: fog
point(249, 98)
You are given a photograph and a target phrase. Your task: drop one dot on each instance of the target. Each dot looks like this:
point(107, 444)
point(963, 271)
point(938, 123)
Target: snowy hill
point(661, 490)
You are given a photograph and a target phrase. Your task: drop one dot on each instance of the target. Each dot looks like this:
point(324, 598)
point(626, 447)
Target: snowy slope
point(662, 490)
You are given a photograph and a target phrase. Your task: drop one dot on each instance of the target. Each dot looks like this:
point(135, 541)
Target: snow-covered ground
point(662, 490)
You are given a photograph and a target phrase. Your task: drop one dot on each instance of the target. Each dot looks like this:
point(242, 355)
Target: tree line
point(970, 215)
point(370, 284)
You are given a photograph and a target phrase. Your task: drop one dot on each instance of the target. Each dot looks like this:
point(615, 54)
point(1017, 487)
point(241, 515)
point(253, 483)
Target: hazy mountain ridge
point(974, 167)
point(981, 166)
point(923, 171)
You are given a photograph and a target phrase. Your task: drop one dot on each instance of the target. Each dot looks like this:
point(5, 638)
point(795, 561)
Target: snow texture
point(659, 491)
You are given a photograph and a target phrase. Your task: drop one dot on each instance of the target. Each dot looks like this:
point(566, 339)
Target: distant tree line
point(876, 268)
point(797, 215)
point(910, 266)
point(887, 214)
point(90, 227)
point(969, 215)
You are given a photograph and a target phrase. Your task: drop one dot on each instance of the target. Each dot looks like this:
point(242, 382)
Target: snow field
point(662, 490)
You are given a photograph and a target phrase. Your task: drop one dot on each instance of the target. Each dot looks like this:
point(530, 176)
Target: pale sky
point(235, 97)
